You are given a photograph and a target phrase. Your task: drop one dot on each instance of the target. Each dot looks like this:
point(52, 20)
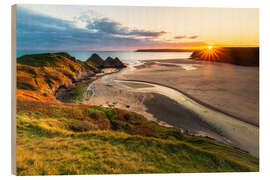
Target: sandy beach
point(230, 88)
point(154, 106)
point(225, 106)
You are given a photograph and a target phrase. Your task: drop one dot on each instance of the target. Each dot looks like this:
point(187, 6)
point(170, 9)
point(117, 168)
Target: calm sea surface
point(125, 56)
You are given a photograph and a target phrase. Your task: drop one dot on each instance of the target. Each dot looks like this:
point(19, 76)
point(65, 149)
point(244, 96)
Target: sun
point(211, 53)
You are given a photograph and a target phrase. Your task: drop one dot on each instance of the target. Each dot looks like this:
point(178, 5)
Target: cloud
point(147, 33)
point(179, 37)
point(40, 32)
point(106, 25)
point(95, 23)
point(193, 37)
point(37, 31)
point(186, 37)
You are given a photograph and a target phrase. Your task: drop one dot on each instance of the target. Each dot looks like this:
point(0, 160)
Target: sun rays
point(211, 53)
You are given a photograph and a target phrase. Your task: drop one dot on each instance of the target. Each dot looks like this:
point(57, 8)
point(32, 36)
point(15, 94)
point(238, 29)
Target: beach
point(230, 88)
point(225, 106)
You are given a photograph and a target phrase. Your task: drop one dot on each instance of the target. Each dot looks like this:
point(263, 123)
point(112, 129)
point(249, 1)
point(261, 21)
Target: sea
point(125, 56)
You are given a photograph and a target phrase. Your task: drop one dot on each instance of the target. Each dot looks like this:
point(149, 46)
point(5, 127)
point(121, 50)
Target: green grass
point(77, 93)
point(78, 139)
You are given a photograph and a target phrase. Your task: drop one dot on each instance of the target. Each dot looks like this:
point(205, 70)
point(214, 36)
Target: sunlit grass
point(78, 139)
point(45, 73)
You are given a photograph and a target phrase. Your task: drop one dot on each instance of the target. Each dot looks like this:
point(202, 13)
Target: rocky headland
point(41, 77)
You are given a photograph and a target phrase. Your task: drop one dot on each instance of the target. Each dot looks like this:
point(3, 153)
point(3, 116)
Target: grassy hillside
point(45, 73)
point(78, 139)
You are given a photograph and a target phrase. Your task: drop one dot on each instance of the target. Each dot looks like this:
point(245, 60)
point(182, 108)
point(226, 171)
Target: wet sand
point(241, 134)
point(232, 89)
point(154, 106)
point(210, 84)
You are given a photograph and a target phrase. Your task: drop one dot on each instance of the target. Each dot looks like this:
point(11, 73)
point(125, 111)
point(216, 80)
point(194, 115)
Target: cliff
point(40, 75)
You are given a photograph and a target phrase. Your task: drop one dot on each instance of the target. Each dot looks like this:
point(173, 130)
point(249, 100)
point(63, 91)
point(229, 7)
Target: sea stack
point(113, 63)
point(96, 60)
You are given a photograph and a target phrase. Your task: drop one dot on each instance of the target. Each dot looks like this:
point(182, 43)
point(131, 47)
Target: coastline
point(151, 105)
point(104, 107)
point(220, 86)
point(134, 89)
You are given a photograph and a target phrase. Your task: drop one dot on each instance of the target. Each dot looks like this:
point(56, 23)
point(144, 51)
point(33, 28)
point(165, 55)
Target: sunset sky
point(58, 27)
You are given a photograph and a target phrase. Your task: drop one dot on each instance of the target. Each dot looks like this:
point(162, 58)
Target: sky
point(69, 27)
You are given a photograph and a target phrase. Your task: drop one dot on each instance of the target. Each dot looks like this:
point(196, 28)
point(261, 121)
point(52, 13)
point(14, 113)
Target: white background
point(5, 85)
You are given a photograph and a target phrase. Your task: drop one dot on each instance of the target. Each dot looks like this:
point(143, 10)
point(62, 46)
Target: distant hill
point(245, 56)
point(164, 50)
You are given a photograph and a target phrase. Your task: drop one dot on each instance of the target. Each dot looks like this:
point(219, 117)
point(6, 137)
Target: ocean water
point(125, 56)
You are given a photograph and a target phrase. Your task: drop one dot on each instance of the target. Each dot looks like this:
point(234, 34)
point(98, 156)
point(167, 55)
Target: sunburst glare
point(211, 53)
